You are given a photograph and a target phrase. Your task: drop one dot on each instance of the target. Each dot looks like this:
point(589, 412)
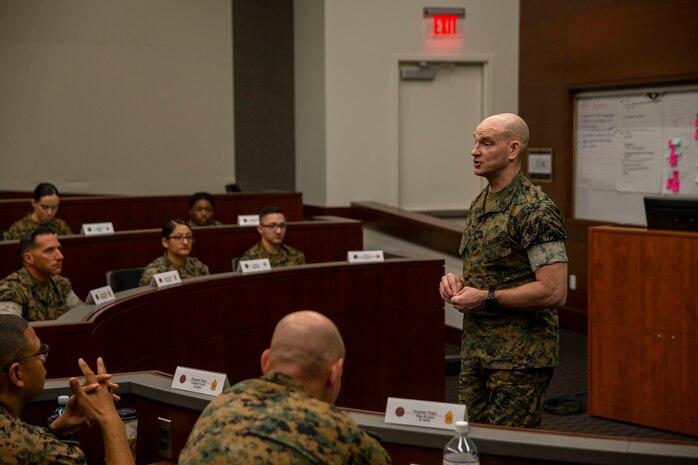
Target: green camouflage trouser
point(504, 397)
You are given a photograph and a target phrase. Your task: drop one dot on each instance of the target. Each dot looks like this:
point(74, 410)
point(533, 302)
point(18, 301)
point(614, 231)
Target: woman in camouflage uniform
point(177, 239)
point(44, 208)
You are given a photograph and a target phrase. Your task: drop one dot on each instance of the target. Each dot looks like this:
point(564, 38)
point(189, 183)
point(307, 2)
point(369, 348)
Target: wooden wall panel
point(579, 45)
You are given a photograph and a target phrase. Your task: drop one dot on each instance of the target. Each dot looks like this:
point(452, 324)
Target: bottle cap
point(63, 400)
point(461, 426)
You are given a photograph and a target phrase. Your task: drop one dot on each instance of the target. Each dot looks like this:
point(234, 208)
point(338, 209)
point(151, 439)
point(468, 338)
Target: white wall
point(309, 82)
point(363, 40)
point(116, 97)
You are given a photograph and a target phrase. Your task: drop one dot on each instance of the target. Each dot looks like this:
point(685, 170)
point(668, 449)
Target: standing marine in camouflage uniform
point(514, 278)
point(22, 357)
point(44, 208)
point(178, 241)
point(272, 230)
point(37, 291)
point(288, 415)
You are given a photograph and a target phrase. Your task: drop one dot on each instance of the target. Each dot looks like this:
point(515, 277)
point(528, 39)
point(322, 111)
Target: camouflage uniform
point(192, 224)
point(507, 235)
point(192, 268)
point(273, 420)
point(24, 444)
point(26, 224)
point(39, 301)
point(287, 255)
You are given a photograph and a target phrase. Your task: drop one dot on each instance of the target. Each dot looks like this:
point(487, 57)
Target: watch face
point(490, 302)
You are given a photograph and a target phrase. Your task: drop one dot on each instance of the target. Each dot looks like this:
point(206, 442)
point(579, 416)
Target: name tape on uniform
point(100, 295)
point(97, 229)
point(168, 278)
point(203, 382)
point(423, 413)
point(252, 266)
point(365, 256)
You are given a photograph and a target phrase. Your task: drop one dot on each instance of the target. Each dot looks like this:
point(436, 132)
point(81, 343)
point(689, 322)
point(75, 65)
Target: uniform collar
point(504, 197)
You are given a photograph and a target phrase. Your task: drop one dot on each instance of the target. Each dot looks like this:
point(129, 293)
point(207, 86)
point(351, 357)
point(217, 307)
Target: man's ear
point(28, 258)
point(336, 371)
point(260, 230)
point(15, 376)
point(264, 362)
point(514, 149)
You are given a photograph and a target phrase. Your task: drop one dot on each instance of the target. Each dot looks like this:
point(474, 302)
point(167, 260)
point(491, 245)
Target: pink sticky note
point(676, 186)
point(673, 159)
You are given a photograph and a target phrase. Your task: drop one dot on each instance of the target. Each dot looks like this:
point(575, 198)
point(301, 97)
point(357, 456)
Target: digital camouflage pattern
point(26, 224)
point(39, 301)
point(505, 397)
point(273, 420)
point(287, 255)
point(192, 224)
point(505, 233)
point(24, 444)
point(192, 268)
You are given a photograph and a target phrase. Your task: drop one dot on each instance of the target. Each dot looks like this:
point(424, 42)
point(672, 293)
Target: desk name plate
point(423, 413)
point(168, 278)
point(209, 383)
point(97, 229)
point(100, 295)
point(248, 220)
point(252, 266)
point(365, 256)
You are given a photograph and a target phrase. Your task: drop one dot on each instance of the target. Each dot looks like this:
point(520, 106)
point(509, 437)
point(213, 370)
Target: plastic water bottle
point(461, 449)
point(62, 404)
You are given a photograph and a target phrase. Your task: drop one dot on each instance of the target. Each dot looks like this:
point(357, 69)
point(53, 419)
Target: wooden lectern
point(643, 327)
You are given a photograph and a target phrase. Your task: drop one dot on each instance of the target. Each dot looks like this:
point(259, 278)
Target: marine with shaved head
point(288, 415)
point(514, 278)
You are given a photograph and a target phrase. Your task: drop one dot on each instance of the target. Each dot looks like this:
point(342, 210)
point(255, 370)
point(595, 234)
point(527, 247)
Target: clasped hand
point(463, 298)
point(91, 402)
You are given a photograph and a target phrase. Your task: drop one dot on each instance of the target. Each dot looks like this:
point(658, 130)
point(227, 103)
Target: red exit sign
point(445, 25)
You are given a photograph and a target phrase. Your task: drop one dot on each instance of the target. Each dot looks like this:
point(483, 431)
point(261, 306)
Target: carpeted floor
point(570, 379)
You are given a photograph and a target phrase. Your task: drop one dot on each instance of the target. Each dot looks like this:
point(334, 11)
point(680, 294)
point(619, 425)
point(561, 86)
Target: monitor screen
point(672, 212)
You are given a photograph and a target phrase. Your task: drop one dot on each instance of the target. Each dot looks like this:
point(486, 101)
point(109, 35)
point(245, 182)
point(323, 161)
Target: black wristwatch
point(491, 302)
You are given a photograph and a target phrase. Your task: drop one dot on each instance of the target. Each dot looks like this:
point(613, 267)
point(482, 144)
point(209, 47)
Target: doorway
point(439, 105)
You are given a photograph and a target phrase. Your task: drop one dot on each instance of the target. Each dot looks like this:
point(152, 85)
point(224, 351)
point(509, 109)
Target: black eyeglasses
point(273, 226)
point(43, 350)
point(189, 239)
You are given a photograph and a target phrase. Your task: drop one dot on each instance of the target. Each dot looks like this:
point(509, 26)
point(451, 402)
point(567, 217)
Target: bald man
point(288, 415)
point(514, 278)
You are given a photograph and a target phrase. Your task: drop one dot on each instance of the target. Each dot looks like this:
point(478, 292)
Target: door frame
point(484, 61)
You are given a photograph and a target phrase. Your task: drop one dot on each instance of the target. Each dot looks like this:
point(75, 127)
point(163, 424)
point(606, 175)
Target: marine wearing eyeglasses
point(22, 357)
point(178, 240)
point(272, 230)
point(37, 291)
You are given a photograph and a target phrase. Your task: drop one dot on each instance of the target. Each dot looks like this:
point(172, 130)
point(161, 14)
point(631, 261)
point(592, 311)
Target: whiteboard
point(630, 145)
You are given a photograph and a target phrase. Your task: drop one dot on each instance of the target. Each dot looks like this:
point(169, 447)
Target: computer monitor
point(672, 212)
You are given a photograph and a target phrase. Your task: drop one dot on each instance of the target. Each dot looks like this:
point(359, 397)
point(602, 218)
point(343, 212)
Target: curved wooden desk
point(87, 259)
point(151, 395)
point(151, 211)
point(390, 315)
